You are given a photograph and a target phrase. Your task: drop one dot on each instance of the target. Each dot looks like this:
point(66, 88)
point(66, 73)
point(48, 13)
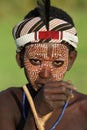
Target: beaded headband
point(33, 31)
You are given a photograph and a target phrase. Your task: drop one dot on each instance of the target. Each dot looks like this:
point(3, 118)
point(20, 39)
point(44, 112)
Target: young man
point(46, 56)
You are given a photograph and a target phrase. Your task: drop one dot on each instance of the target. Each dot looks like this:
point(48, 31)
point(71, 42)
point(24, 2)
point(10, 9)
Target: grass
point(12, 75)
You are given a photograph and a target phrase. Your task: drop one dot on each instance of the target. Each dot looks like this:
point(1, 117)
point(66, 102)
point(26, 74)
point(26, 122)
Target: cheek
point(58, 73)
point(32, 71)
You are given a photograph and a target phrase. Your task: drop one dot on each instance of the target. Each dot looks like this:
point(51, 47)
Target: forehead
point(46, 49)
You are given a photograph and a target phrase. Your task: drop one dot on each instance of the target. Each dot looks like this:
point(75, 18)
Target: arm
point(6, 112)
point(44, 105)
point(53, 95)
point(40, 122)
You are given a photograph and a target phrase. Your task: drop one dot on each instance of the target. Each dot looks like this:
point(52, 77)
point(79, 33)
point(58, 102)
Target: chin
point(35, 87)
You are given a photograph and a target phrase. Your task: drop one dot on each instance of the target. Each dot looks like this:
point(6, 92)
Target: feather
point(44, 10)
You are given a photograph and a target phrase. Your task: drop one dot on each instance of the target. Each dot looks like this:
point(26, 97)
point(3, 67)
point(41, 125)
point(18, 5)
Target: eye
point(58, 63)
point(35, 61)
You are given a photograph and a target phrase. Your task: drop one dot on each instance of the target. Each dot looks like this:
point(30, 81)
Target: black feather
point(44, 10)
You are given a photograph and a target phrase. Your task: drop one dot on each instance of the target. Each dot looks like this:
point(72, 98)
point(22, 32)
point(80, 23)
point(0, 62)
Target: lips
point(40, 84)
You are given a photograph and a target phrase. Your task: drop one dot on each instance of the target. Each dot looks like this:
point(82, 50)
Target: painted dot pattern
point(40, 51)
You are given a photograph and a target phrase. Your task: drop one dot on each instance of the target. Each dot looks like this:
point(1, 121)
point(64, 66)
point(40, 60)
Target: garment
point(25, 104)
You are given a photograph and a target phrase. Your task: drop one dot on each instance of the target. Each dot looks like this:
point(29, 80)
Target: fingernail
point(75, 88)
point(72, 95)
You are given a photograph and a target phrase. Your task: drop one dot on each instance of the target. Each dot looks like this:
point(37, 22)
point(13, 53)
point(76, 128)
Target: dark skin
point(51, 97)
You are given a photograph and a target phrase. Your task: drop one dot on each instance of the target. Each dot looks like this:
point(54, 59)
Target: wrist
point(41, 107)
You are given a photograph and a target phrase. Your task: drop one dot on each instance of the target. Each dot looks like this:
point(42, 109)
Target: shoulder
point(82, 102)
point(10, 101)
point(11, 93)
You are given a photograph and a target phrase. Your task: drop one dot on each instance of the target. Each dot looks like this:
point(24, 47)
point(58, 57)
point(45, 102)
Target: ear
point(19, 59)
point(72, 57)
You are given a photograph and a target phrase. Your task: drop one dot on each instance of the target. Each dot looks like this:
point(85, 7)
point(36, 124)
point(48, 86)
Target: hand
point(55, 94)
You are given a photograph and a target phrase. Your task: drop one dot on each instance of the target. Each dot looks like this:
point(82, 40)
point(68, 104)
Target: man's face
point(45, 62)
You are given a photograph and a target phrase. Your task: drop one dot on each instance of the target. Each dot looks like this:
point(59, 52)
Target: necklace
point(60, 116)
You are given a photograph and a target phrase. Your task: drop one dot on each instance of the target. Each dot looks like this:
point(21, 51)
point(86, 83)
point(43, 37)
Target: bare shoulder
point(10, 103)
point(82, 103)
point(11, 94)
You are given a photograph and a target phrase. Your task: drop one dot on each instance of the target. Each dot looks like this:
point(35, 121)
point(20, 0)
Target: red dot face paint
point(46, 62)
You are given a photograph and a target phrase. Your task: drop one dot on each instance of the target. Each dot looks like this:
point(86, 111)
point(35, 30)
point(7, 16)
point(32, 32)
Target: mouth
point(39, 84)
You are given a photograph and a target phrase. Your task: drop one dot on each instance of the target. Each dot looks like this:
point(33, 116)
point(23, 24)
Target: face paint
point(46, 62)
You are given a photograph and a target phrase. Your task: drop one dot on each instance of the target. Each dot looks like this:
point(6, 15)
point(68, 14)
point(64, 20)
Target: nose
point(45, 73)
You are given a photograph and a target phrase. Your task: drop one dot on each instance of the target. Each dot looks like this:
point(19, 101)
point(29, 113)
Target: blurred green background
point(12, 12)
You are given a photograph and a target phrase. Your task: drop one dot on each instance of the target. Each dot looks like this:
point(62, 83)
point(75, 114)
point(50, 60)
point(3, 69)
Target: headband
point(34, 31)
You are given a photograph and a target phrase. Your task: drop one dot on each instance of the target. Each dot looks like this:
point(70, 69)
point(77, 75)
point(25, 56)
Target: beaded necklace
point(60, 116)
point(57, 121)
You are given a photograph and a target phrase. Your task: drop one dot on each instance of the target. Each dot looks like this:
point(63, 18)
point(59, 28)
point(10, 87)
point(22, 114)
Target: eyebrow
point(35, 55)
point(52, 58)
point(58, 56)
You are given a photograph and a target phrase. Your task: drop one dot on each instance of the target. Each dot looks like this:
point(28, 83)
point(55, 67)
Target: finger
point(67, 84)
point(55, 104)
point(72, 86)
point(60, 93)
point(56, 97)
point(57, 90)
point(69, 93)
